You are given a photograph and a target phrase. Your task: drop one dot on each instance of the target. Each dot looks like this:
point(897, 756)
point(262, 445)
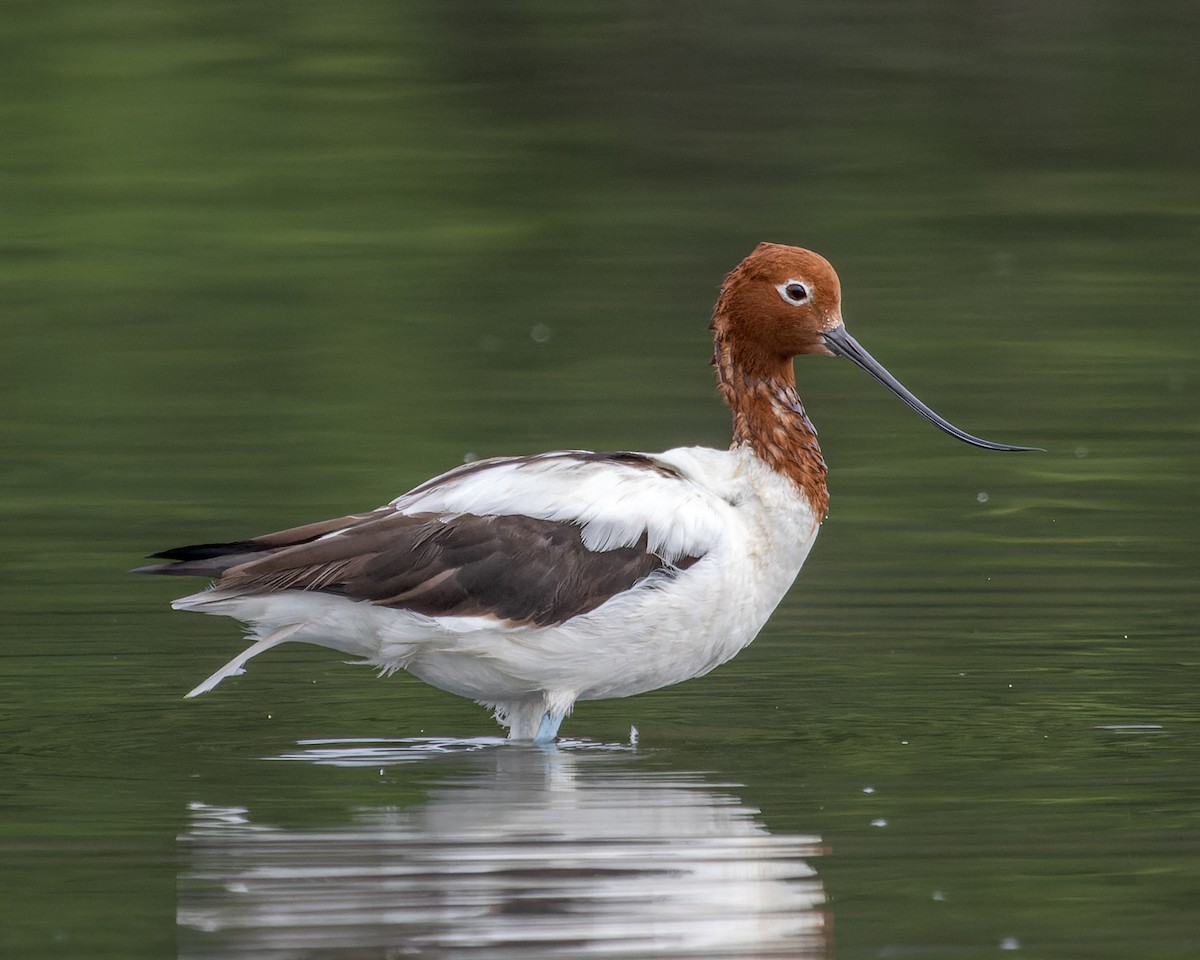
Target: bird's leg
point(234, 666)
point(548, 729)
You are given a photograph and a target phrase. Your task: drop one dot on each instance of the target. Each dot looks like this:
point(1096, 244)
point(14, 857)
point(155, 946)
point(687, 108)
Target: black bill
point(841, 344)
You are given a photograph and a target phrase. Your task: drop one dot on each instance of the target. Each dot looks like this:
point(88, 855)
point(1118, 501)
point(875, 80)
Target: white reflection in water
point(526, 853)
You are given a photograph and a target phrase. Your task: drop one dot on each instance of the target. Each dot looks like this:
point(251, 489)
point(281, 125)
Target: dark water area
point(265, 264)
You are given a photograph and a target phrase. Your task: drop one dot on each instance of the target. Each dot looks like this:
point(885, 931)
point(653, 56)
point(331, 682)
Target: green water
point(263, 264)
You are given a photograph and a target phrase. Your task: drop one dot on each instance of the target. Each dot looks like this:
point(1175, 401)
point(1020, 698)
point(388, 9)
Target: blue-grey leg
point(548, 729)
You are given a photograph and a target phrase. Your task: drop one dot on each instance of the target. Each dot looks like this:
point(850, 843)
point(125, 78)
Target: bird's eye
point(794, 292)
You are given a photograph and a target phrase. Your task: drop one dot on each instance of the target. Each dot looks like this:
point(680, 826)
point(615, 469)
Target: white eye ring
point(795, 292)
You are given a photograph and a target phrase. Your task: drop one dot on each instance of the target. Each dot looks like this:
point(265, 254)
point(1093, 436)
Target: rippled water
point(261, 267)
point(517, 852)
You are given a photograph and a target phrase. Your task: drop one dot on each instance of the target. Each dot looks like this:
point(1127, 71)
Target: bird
point(531, 583)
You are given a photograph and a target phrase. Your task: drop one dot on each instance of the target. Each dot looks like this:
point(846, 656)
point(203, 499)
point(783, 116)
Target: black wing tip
point(204, 551)
point(198, 559)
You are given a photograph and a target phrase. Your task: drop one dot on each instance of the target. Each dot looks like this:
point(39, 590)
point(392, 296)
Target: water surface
point(261, 266)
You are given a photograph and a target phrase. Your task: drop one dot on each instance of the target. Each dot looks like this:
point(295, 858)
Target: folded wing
point(539, 540)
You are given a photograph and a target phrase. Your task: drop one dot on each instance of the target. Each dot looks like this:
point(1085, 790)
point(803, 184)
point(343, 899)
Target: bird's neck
point(769, 418)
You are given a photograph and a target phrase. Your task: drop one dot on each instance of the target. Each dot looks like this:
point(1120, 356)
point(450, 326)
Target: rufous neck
point(769, 418)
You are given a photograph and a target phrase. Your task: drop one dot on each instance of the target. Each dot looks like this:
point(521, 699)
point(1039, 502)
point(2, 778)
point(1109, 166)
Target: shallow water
point(258, 270)
point(574, 851)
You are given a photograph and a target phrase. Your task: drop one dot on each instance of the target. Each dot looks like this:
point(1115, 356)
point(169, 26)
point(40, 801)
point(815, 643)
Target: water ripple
point(575, 852)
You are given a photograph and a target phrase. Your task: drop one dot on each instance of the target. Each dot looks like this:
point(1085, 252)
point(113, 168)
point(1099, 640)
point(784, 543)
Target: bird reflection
point(523, 852)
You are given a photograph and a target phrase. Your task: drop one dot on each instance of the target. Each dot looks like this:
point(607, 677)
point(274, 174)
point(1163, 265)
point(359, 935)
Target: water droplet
point(540, 333)
point(879, 822)
point(868, 789)
point(982, 496)
point(1010, 943)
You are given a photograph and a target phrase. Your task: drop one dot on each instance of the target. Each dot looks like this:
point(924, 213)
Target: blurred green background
point(262, 263)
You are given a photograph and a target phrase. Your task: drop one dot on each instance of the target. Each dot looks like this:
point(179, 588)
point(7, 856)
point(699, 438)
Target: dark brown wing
point(213, 559)
point(516, 569)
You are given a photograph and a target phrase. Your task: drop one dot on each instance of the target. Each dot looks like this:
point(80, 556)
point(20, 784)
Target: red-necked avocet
point(529, 583)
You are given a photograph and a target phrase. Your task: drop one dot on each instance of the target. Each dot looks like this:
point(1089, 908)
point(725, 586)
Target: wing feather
point(517, 570)
point(617, 498)
point(524, 540)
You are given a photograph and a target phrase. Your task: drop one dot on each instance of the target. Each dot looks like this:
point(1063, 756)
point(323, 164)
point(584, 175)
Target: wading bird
point(530, 583)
